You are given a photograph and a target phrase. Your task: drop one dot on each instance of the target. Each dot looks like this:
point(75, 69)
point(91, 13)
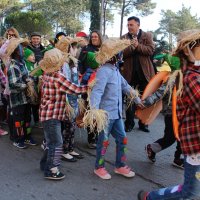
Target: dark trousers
point(19, 123)
point(35, 112)
point(139, 82)
point(168, 139)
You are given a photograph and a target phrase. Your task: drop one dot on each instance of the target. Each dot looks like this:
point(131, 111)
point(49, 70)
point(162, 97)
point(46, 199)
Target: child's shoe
point(2, 132)
point(125, 171)
point(102, 173)
point(20, 145)
point(31, 142)
point(142, 195)
point(150, 154)
point(178, 162)
point(55, 174)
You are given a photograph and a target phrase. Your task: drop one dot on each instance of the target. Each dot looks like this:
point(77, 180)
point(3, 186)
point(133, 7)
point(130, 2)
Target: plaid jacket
point(188, 111)
point(53, 102)
point(17, 75)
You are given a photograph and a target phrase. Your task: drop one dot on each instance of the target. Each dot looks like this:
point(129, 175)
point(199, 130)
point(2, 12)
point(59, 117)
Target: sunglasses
point(11, 35)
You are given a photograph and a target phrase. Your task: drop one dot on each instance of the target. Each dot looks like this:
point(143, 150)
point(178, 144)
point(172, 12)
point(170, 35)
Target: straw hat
point(109, 48)
point(187, 37)
point(64, 43)
point(13, 44)
point(53, 60)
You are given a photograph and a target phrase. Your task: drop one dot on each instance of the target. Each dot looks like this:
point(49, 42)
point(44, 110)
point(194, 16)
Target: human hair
point(99, 34)
point(135, 19)
point(14, 30)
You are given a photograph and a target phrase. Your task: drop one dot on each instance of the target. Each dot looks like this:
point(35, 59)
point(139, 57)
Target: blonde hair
point(14, 30)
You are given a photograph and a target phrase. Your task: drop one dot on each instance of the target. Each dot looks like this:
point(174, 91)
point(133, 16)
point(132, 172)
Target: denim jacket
point(107, 92)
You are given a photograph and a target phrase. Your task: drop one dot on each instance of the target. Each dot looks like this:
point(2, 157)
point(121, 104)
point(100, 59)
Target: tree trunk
point(122, 17)
point(104, 18)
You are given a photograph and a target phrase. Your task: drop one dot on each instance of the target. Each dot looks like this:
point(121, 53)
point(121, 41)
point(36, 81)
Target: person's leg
point(178, 161)
point(102, 145)
point(18, 124)
point(119, 134)
point(167, 140)
point(54, 142)
point(129, 122)
point(35, 112)
point(189, 190)
point(92, 138)
point(68, 141)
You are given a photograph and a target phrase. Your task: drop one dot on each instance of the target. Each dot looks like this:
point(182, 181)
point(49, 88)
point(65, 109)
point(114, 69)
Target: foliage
point(95, 15)
point(27, 22)
point(173, 23)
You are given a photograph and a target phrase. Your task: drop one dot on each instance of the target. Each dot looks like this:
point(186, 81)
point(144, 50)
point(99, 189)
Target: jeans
point(116, 129)
point(190, 190)
point(54, 142)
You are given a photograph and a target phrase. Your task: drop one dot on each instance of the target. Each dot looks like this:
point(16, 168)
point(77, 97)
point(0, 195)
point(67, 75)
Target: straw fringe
point(175, 78)
point(95, 119)
point(130, 98)
point(30, 92)
point(70, 112)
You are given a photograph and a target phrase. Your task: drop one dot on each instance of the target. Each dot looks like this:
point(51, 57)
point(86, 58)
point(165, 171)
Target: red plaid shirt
point(188, 111)
point(53, 102)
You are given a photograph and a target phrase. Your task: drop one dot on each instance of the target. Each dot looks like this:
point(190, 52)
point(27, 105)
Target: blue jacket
point(107, 92)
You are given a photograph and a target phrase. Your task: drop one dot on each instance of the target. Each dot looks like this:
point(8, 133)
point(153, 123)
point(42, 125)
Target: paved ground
point(21, 178)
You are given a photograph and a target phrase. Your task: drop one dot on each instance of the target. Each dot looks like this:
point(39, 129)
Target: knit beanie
point(91, 61)
point(27, 53)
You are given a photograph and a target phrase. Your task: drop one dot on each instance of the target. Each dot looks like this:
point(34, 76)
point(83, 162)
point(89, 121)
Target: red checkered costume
point(188, 111)
point(53, 102)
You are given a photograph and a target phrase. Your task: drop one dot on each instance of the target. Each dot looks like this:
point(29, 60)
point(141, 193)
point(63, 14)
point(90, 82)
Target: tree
point(27, 22)
point(173, 23)
point(143, 8)
point(6, 7)
point(95, 15)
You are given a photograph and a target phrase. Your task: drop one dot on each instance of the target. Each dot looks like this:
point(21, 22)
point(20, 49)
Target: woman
point(94, 44)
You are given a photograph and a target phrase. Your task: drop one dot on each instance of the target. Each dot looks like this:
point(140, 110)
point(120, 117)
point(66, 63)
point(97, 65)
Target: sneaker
point(55, 176)
point(102, 173)
point(43, 145)
point(76, 155)
point(92, 146)
point(178, 162)
point(142, 195)
point(125, 171)
point(31, 142)
point(150, 154)
point(68, 157)
point(20, 145)
point(2, 132)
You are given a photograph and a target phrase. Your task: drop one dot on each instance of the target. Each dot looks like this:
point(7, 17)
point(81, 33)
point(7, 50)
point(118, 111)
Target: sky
point(151, 22)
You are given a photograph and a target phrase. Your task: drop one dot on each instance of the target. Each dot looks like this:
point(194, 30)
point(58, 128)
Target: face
point(11, 34)
point(95, 39)
point(31, 58)
point(133, 27)
point(35, 40)
point(196, 52)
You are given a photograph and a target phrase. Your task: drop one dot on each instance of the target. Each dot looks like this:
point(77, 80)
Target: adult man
point(138, 68)
point(36, 46)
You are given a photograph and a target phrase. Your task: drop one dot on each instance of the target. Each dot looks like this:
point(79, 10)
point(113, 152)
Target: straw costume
point(105, 102)
point(20, 91)
point(53, 109)
point(188, 118)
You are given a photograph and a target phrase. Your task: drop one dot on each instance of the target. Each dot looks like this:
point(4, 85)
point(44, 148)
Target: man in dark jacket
point(138, 68)
point(36, 46)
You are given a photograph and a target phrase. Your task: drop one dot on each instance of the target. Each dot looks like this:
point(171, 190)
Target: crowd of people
point(86, 81)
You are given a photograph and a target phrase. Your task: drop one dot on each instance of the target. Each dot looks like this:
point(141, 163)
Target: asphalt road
point(21, 178)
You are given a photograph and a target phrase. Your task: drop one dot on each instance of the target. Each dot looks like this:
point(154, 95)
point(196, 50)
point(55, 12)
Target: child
point(169, 137)
point(52, 109)
point(188, 114)
point(106, 96)
point(18, 79)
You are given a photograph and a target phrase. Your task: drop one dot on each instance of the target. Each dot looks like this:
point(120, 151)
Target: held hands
point(134, 42)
